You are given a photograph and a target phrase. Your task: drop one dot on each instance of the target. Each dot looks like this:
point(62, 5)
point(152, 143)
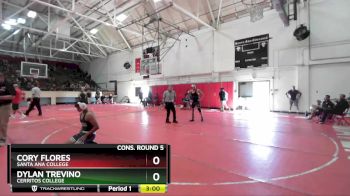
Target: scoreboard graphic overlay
point(252, 52)
point(141, 168)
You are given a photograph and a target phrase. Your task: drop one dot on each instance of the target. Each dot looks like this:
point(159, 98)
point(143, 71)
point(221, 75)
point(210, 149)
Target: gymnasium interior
point(269, 76)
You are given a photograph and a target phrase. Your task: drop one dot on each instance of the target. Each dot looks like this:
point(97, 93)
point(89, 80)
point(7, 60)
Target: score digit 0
point(156, 177)
point(156, 160)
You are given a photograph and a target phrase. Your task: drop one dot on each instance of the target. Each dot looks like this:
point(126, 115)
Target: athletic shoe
point(22, 116)
point(202, 119)
point(192, 120)
point(175, 121)
point(12, 116)
point(167, 121)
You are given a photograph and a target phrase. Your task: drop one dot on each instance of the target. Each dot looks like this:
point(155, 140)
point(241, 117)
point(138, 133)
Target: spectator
point(339, 109)
point(103, 97)
point(141, 96)
point(88, 94)
point(150, 99)
point(82, 96)
point(294, 96)
point(7, 93)
point(316, 110)
point(98, 96)
point(223, 95)
point(186, 100)
point(110, 98)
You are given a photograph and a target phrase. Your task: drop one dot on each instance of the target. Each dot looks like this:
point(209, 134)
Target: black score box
point(119, 188)
point(54, 188)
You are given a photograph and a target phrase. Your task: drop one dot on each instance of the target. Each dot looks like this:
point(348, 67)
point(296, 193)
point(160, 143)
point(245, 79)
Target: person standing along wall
point(294, 96)
point(7, 93)
point(223, 95)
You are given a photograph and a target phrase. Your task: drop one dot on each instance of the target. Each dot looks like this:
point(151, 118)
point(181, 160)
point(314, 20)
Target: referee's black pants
point(35, 102)
point(169, 106)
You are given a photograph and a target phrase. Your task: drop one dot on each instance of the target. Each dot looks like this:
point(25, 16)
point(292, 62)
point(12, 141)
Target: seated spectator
point(316, 110)
point(98, 96)
point(82, 96)
point(186, 101)
point(339, 109)
point(110, 98)
point(88, 94)
point(103, 99)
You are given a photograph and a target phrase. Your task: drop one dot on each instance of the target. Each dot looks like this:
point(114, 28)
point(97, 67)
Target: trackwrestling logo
point(34, 188)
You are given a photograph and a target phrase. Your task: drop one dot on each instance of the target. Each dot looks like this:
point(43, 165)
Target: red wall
point(210, 91)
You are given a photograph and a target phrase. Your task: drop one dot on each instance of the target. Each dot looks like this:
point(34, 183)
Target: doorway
point(254, 96)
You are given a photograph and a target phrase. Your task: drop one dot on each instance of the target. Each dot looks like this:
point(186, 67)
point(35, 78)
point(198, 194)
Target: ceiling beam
point(9, 36)
point(219, 14)
point(124, 38)
point(211, 12)
point(89, 37)
point(20, 10)
point(84, 31)
point(64, 50)
point(113, 22)
point(40, 16)
point(181, 9)
point(38, 55)
point(66, 37)
point(51, 30)
point(83, 16)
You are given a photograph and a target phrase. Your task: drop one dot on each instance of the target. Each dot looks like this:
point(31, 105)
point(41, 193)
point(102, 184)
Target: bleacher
point(62, 76)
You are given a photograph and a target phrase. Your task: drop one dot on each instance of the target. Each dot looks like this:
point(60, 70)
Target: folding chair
point(340, 119)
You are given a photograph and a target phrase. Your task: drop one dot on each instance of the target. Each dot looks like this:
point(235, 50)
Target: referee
point(35, 99)
point(169, 97)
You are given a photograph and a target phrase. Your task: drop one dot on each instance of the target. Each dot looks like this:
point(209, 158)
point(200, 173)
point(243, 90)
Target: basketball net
point(255, 9)
point(256, 12)
point(35, 76)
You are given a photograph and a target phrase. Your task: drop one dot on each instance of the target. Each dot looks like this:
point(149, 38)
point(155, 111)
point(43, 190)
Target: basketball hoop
point(255, 9)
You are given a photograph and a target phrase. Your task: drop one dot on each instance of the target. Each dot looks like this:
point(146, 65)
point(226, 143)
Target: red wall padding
point(210, 91)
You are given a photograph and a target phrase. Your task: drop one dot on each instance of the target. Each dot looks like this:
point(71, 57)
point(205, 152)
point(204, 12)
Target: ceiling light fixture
point(21, 20)
point(31, 14)
point(11, 22)
point(121, 17)
point(6, 26)
point(93, 31)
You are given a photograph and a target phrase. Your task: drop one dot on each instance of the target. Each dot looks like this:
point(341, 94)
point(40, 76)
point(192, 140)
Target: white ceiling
point(41, 36)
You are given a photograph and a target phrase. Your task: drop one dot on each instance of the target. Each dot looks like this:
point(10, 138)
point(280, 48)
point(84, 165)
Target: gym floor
point(230, 153)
